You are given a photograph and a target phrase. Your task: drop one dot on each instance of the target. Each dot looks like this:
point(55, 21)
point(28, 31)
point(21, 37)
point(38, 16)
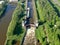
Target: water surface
point(4, 22)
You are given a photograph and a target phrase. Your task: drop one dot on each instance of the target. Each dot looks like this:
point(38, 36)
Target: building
point(13, 0)
point(1, 2)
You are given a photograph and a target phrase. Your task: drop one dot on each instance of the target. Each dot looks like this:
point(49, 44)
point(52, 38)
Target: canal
point(4, 22)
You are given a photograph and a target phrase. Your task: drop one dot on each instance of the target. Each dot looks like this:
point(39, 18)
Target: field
point(49, 23)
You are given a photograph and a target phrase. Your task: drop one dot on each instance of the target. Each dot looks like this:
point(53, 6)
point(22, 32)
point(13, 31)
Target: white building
point(1, 2)
point(13, 0)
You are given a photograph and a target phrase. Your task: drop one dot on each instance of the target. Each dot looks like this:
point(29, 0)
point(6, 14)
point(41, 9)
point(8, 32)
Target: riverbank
point(4, 22)
point(56, 3)
point(48, 32)
point(15, 30)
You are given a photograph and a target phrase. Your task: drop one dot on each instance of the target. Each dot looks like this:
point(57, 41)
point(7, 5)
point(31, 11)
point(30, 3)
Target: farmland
point(48, 31)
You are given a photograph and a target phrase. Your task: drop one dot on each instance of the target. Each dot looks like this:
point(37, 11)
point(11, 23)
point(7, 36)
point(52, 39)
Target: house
point(13, 0)
point(1, 2)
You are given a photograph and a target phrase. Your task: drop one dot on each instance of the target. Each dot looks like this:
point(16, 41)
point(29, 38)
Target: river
point(4, 22)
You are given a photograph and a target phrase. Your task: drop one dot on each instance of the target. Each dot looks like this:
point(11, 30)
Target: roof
point(1, 2)
point(13, 0)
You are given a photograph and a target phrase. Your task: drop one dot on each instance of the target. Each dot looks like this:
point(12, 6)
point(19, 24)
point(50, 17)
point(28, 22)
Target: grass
point(59, 0)
point(58, 7)
point(48, 14)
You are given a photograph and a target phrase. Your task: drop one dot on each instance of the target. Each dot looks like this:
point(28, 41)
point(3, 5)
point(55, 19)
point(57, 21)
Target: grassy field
point(48, 31)
point(59, 0)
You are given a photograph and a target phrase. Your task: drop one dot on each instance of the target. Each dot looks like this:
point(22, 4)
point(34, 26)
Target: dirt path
point(30, 38)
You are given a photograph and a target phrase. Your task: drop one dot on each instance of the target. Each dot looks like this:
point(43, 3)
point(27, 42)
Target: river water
point(4, 22)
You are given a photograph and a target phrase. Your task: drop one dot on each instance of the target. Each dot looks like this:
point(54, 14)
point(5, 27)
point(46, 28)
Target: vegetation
point(15, 31)
point(48, 31)
point(56, 5)
point(59, 0)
